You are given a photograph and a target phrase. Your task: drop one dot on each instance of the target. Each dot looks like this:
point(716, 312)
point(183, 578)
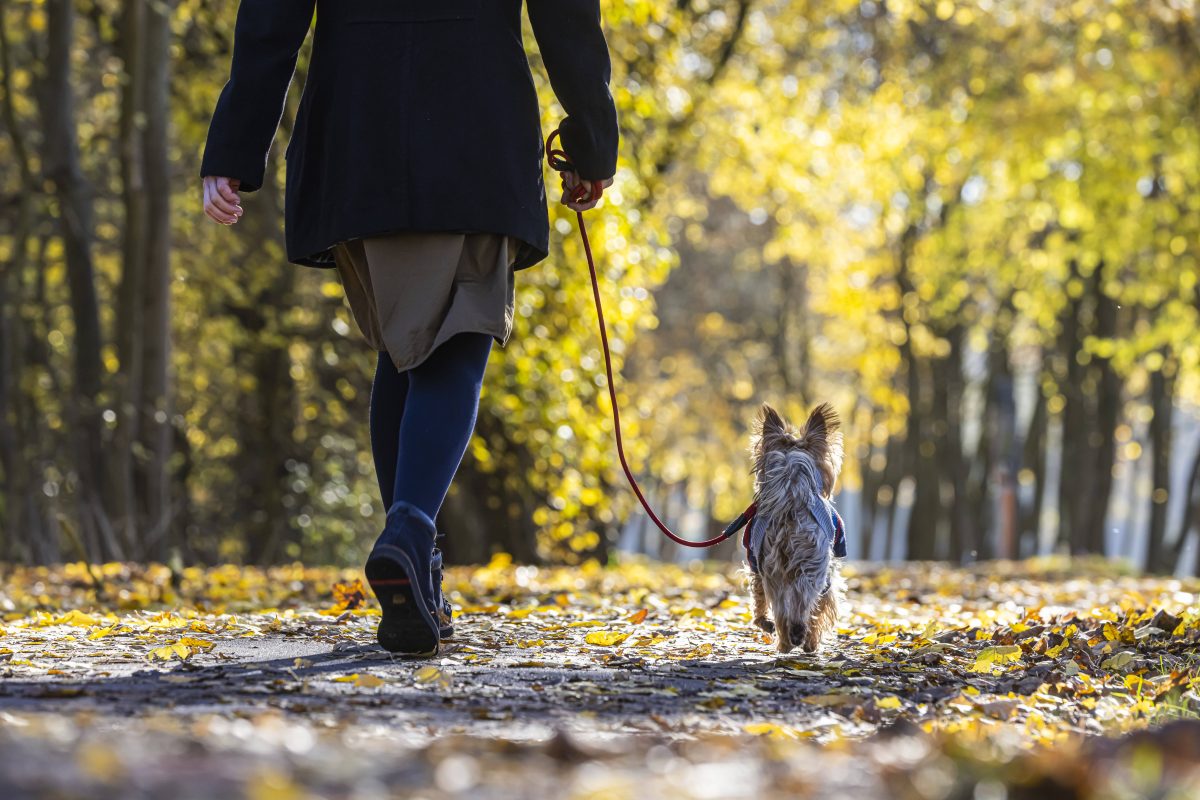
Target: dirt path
point(249, 688)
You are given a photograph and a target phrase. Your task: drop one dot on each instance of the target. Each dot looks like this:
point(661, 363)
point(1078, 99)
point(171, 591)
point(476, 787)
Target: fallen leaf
point(1118, 660)
point(606, 638)
point(348, 595)
point(100, 633)
point(990, 658)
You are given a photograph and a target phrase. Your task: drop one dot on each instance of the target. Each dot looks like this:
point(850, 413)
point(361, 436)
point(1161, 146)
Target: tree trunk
point(129, 324)
point(1074, 417)
point(889, 492)
point(872, 479)
point(1162, 401)
point(265, 447)
point(61, 166)
point(154, 427)
point(1101, 441)
point(486, 512)
point(920, 454)
point(16, 524)
point(1034, 461)
point(1005, 456)
point(1091, 389)
point(951, 460)
point(1191, 513)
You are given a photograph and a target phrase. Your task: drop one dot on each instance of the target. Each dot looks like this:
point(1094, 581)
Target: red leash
point(559, 161)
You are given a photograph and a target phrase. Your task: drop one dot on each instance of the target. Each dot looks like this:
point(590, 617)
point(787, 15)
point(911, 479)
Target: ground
point(1041, 679)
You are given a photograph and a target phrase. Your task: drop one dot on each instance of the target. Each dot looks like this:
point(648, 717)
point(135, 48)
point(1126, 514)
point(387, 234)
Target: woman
point(415, 171)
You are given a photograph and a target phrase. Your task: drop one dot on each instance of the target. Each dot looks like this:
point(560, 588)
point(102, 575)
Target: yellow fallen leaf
point(891, 701)
point(1117, 661)
point(348, 596)
point(369, 681)
point(100, 633)
point(1056, 650)
point(637, 617)
point(767, 729)
point(1137, 684)
point(352, 678)
point(930, 631)
point(520, 613)
point(170, 651)
point(649, 641)
point(77, 618)
point(432, 676)
point(990, 658)
point(198, 644)
point(606, 638)
point(427, 675)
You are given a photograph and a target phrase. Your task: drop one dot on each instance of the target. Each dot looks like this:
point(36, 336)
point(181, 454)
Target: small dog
point(796, 539)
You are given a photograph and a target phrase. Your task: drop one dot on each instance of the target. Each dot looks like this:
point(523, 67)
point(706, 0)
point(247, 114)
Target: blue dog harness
point(825, 515)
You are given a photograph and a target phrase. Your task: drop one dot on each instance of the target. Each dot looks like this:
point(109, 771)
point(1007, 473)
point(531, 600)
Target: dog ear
point(822, 422)
point(769, 422)
point(766, 432)
point(823, 435)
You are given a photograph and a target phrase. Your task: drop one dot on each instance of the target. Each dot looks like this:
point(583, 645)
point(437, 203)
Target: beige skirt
point(411, 291)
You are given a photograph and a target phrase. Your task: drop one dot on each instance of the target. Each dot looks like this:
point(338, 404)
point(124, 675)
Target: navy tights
point(422, 419)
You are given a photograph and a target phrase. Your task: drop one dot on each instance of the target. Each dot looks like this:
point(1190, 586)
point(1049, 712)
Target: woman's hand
point(221, 201)
point(571, 181)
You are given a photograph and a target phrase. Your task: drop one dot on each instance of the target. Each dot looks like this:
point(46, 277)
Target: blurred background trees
point(973, 225)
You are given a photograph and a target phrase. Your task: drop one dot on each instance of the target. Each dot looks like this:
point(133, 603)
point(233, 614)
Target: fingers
point(589, 198)
point(582, 205)
point(227, 191)
point(221, 201)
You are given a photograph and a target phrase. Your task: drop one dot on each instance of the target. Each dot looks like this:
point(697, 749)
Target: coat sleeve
point(571, 41)
point(267, 37)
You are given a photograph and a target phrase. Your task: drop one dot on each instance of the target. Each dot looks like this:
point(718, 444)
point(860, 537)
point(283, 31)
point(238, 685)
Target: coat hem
point(528, 256)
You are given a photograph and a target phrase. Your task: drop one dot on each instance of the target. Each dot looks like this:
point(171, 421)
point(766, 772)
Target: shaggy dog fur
point(798, 580)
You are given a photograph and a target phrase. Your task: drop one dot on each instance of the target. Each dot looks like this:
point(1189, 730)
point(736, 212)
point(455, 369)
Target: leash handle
point(561, 162)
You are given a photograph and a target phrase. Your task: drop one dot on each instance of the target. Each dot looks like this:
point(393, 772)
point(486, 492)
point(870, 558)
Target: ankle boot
point(400, 573)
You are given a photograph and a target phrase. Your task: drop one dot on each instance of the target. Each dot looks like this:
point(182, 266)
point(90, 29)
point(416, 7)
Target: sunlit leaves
point(606, 638)
point(990, 658)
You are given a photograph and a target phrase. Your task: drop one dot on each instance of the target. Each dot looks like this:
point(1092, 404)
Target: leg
point(388, 392)
point(824, 619)
point(439, 417)
point(758, 604)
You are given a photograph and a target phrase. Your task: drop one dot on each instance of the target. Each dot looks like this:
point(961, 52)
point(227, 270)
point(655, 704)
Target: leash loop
point(561, 162)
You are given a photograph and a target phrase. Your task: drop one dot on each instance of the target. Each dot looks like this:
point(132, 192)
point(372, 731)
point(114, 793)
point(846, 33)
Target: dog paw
point(766, 624)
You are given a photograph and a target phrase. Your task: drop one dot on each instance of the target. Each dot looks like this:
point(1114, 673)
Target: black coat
point(416, 115)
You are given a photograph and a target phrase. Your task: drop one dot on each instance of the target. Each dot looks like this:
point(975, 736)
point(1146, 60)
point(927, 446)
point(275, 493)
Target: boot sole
point(406, 627)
